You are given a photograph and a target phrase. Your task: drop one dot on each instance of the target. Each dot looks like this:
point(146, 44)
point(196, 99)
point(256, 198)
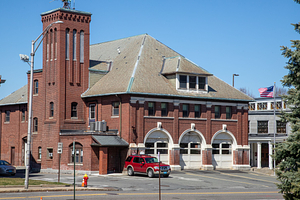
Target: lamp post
point(25, 58)
point(233, 75)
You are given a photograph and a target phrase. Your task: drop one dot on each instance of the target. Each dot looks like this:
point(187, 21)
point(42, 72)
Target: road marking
point(223, 179)
point(248, 177)
point(136, 194)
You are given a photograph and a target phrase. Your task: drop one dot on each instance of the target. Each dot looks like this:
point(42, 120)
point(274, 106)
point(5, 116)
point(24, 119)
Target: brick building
point(132, 95)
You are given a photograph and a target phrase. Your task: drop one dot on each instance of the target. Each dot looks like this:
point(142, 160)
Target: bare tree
point(247, 92)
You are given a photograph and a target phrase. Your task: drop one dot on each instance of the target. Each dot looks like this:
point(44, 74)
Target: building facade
point(263, 124)
point(128, 96)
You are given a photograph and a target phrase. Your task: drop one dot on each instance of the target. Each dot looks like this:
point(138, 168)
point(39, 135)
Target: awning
point(109, 141)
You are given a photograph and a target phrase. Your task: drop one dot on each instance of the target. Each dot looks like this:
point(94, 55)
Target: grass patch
point(20, 181)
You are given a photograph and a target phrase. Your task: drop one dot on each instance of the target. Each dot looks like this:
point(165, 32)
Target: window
point(154, 148)
point(115, 108)
point(78, 153)
point(35, 124)
point(185, 110)
point(7, 116)
point(217, 112)
point(164, 109)
point(192, 82)
point(39, 153)
point(36, 87)
point(92, 111)
point(262, 106)
point(67, 44)
point(251, 106)
point(190, 148)
point(151, 108)
point(81, 46)
point(262, 126)
point(281, 127)
point(51, 109)
point(23, 115)
point(74, 109)
point(50, 153)
point(278, 105)
point(202, 83)
point(221, 148)
point(74, 44)
point(182, 81)
point(55, 43)
point(228, 113)
point(197, 111)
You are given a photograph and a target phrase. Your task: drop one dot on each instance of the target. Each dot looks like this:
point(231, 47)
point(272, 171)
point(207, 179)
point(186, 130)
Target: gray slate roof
point(140, 65)
point(17, 97)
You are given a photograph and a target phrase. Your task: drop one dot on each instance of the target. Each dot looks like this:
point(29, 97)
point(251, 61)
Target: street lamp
point(25, 58)
point(233, 75)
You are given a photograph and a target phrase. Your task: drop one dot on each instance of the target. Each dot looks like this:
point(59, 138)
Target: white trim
point(161, 130)
point(203, 141)
point(234, 145)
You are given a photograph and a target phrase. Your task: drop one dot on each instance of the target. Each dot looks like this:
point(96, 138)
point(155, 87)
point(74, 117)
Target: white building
point(262, 126)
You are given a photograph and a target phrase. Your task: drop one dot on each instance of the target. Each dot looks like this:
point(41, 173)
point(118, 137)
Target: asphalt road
point(187, 184)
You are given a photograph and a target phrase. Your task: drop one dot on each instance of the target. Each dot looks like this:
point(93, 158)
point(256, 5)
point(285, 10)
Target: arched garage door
point(190, 151)
point(156, 142)
point(222, 151)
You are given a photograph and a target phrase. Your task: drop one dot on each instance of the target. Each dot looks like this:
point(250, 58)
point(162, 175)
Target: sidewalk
point(264, 170)
point(50, 188)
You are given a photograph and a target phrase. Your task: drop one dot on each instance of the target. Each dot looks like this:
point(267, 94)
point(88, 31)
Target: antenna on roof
point(74, 5)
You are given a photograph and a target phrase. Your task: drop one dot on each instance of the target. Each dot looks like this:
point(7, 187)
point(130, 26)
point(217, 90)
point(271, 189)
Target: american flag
point(266, 92)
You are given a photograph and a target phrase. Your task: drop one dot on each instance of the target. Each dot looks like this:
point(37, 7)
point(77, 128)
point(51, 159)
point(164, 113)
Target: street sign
point(59, 148)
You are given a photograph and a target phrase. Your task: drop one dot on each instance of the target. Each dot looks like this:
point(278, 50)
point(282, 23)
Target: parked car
point(6, 168)
point(145, 164)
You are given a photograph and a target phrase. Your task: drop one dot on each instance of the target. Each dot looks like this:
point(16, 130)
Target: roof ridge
point(136, 65)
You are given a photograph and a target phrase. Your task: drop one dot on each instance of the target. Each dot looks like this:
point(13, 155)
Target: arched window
point(36, 87)
point(74, 44)
point(81, 47)
point(51, 44)
point(51, 109)
point(78, 153)
point(67, 44)
point(55, 43)
point(74, 109)
point(35, 124)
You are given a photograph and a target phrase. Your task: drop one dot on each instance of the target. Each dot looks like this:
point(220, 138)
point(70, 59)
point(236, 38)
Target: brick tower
point(63, 79)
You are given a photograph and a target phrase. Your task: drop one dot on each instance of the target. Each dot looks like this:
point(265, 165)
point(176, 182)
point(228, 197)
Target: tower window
point(67, 44)
point(36, 87)
point(197, 111)
point(228, 113)
point(7, 116)
point(74, 44)
point(51, 109)
point(35, 124)
point(81, 46)
point(74, 109)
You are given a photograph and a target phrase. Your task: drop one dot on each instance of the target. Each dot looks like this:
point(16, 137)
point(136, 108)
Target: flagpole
point(274, 94)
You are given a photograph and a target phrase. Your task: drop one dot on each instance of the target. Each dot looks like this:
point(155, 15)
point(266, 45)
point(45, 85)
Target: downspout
point(120, 115)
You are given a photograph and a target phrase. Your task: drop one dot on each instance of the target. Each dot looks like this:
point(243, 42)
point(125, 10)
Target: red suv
point(145, 164)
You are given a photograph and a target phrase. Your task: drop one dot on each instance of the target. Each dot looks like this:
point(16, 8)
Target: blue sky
point(222, 36)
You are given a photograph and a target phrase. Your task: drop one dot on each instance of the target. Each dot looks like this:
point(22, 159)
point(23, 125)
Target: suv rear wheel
point(150, 173)
point(130, 171)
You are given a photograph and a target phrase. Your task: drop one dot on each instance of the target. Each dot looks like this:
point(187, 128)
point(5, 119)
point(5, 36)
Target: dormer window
point(183, 82)
point(192, 83)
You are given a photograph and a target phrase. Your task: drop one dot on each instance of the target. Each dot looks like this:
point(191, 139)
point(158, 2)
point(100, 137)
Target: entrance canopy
point(109, 141)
